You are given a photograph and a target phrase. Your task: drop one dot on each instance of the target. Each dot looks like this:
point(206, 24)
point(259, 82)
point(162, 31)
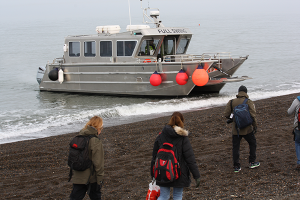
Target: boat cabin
point(139, 43)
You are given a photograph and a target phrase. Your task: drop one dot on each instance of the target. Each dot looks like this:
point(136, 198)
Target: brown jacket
point(239, 100)
point(96, 154)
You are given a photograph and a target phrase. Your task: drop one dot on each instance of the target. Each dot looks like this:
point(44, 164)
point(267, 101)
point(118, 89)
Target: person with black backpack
point(294, 109)
point(243, 126)
point(173, 159)
point(87, 167)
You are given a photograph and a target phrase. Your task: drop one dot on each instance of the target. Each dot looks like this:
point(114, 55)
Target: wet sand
point(37, 169)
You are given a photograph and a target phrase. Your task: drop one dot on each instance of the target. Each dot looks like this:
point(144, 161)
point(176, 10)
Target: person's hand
point(99, 186)
point(254, 130)
point(197, 182)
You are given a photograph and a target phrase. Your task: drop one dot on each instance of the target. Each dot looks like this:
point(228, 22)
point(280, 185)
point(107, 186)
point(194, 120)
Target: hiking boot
point(237, 169)
point(254, 165)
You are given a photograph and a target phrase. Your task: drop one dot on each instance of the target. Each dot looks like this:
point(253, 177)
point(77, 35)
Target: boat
point(141, 61)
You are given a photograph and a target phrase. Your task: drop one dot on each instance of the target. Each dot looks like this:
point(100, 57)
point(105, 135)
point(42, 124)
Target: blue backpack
point(242, 116)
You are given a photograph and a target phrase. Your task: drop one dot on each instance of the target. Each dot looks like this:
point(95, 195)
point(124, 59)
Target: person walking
point(247, 133)
point(186, 158)
point(90, 180)
point(294, 109)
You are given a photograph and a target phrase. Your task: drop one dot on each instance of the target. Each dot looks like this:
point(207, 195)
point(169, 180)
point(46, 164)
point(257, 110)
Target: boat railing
point(191, 57)
point(58, 61)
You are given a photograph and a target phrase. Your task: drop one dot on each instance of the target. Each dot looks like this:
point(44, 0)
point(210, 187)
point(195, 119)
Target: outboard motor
point(40, 74)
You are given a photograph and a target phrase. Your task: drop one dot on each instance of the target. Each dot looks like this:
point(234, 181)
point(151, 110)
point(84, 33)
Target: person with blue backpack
point(294, 109)
point(242, 114)
point(173, 145)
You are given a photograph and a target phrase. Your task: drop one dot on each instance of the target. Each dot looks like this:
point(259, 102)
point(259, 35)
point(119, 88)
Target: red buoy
point(200, 76)
point(155, 79)
point(181, 77)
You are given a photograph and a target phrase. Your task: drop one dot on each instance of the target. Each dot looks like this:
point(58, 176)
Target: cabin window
point(125, 48)
point(74, 49)
point(182, 46)
point(105, 48)
point(89, 49)
point(148, 47)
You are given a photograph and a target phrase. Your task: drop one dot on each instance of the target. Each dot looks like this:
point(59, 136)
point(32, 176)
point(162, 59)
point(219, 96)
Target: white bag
point(153, 191)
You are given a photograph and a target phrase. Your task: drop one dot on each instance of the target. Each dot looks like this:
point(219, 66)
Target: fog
point(20, 10)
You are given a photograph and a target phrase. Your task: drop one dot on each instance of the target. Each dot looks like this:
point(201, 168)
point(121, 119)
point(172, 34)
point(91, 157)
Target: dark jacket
point(185, 152)
point(240, 97)
point(96, 154)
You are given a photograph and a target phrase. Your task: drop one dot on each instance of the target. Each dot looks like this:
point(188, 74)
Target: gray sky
point(46, 9)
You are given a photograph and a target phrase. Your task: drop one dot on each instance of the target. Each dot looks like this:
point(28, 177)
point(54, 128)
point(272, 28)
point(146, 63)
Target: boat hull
point(133, 78)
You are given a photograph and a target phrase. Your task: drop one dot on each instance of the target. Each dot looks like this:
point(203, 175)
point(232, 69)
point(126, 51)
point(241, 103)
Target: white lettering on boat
point(178, 30)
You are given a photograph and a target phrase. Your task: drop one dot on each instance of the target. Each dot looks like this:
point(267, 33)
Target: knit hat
point(242, 88)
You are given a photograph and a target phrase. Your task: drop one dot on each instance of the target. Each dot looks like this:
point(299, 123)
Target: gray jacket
point(294, 109)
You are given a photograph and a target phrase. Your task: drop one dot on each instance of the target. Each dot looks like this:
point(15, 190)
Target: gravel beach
point(37, 169)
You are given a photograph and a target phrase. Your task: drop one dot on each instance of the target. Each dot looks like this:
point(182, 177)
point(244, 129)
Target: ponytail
point(176, 120)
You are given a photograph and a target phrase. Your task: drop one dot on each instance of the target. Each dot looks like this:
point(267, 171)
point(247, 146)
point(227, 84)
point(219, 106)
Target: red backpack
point(166, 168)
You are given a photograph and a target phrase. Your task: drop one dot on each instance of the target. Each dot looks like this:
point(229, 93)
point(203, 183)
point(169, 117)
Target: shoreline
point(37, 169)
point(107, 123)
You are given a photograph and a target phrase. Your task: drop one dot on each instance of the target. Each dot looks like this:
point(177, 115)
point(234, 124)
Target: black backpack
point(242, 116)
point(166, 168)
point(79, 154)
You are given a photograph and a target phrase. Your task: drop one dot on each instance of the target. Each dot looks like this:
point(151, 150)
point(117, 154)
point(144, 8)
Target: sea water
point(271, 40)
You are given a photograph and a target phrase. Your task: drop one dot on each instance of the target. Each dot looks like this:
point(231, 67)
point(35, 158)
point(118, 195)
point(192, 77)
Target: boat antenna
point(129, 12)
point(154, 16)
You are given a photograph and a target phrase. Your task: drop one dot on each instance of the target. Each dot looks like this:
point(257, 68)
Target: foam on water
point(42, 125)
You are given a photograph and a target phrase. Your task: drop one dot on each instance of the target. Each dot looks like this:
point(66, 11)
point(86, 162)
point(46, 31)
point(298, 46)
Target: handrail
point(204, 56)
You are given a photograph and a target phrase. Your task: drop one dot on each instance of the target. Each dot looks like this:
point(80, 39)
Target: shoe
point(254, 165)
point(237, 169)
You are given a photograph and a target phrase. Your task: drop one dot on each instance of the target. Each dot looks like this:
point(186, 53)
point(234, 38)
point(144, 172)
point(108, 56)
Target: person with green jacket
point(247, 133)
point(150, 48)
point(90, 181)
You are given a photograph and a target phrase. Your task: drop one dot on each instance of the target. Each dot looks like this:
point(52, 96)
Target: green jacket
point(96, 154)
point(239, 100)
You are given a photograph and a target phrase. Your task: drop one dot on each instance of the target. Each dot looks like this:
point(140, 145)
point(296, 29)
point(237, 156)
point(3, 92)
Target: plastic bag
point(153, 191)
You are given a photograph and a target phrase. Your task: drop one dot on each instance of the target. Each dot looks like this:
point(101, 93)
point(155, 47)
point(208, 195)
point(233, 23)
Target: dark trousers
point(79, 191)
point(236, 140)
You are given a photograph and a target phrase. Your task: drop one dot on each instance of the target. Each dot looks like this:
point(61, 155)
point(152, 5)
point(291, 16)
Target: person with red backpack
point(294, 109)
point(90, 180)
point(173, 150)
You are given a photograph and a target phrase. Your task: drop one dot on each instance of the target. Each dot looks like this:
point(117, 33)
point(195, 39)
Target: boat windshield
point(148, 47)
point(182, 46)
point(168, 44)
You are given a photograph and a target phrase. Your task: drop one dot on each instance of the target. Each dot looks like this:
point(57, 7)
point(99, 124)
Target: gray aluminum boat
point(122, 63)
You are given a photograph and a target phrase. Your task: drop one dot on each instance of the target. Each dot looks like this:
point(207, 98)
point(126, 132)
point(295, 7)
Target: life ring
point(147, 61)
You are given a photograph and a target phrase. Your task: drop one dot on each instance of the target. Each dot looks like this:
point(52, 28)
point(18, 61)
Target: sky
point(57, 9)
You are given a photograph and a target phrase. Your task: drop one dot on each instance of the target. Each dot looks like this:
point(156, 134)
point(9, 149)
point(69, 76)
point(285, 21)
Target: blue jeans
point(165, 193)
point(297, 145)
